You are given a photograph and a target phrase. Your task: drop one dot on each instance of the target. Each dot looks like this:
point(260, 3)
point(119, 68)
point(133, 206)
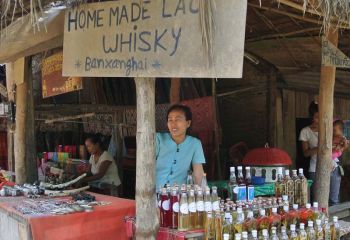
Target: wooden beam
point(146, 204)
point(62, 119)
point(175, 90)
point(325, 134)
point(283, 35)
point(289, 124)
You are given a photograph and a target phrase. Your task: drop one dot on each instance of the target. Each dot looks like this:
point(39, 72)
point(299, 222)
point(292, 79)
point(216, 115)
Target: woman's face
point(337, 130)
point(91, 147)
point(177, 123)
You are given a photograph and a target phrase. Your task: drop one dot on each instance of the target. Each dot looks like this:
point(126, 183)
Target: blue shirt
point(174, 161)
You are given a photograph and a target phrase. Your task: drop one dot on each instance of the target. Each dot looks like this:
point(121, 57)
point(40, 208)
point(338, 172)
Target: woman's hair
point(181, 108)
point(95, 139)
point(313, 108)
point(338, 123)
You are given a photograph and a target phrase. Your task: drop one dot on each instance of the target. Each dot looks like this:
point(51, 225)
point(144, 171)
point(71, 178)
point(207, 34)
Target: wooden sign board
point(154, 38)
point(53, 83)
point(332, 56)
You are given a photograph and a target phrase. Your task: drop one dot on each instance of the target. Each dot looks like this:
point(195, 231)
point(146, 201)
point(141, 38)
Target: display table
point(105, 222)
point(267, 189)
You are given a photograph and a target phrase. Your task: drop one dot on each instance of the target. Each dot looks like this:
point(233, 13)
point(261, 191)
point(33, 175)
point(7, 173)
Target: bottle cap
point(292, 227)
point(232, 169)
point(239, 210)
point(294, 172)
point(226, 236)
point(237, 236)
point(318, 221)
point(287, 172)
point(274, 210)
point(310, 223)
point(335, 219)
point(262, 212)
point(244, 234)
point(254, 233)
point(286, 208)
point(315, 204)
point(247, 168)
point(239, 168)
point(214, 188)
point(273, 229)
point(308, 205)
point(285, 197)
point(301, 170)
point(302, 226)
point(295, 206)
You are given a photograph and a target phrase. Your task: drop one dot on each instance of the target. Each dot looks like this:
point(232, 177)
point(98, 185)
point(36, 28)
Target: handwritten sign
point(332, 56)
point(154, 38)
point(53, 83)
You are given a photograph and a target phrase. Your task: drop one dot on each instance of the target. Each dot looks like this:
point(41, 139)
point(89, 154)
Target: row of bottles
point(295, 186)
point(217, 230)
point(240, 188)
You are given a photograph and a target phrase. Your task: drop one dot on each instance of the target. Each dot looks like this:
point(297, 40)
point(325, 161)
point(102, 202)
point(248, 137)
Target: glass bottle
point(218, 225)
point(192, 210)
point(174, 205)
point(280, 187)
point(285, 216)
point(289, 187)
point(215, 199)
point(327, 230)
point(240, 178)
point(293, 234)
point(227, 227)
point(306, 214)
point(238, 224)
point(294, 215)
point(263, 221)
point(311, 233)
point(200, 210)
point(248, 176)
point(316, 213)
point(302, 232)
point(165, 212)
point(254, 235)
point(204, 182)
point(274, 234)
point(189, 180)
point(319, 230)
point(184, 217)
point(284, 235)
point(238, 236)
point(232, 185)
point(250, 222)
point(302, 188)
point(275, 219)
point(209, 227)
point(335, 229)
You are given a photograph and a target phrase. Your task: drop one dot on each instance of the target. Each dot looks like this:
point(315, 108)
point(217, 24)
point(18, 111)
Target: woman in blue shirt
point(176, 151)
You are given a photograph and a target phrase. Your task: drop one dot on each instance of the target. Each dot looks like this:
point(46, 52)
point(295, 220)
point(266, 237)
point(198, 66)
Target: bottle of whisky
point(238, 225)
point(327, 230)
point(311, 233)
point(294, 215)
point(306, 214)
point(215, 199)
point(192, 210)
point(289, 187)
point(301, 187)
point(250, 222)
point(184, 218)
point(319, 230)
point(200, 210)
point(335, 229)
point(275, 219)
point(280, 187)
point(254, 235)
point(302, 232)
point(284, 235)
point(227, 228)
point(209, 227)
point(274, 234)
point(263, 221)
point(232, 185)
point(218, 225)
point(293, 234)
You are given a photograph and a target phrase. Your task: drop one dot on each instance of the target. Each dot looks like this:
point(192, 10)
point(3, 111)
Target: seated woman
point(103, 177)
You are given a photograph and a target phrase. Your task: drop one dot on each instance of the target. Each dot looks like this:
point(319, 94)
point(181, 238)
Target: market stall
point(104, 221)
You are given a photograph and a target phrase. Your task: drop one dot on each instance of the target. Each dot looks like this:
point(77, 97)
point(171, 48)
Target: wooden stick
point(63, 185)
point(62, 119)
point(175, 90)
point(282, 35)
point(64, 193)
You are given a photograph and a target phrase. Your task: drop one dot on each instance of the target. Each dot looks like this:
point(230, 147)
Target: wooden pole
point(326, 105)
point(20, 133)
point(175, 90)
point(147, 222)
point(10, 126)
